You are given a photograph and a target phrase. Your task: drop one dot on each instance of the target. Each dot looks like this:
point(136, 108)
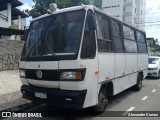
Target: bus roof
point(83, 7)
point(61, 11)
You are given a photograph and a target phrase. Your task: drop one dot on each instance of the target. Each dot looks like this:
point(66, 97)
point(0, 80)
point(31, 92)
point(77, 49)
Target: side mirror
point(91, 22)
point(26, 32)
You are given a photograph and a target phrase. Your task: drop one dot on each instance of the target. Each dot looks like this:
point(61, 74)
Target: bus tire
point(138, 86)
point(102, 102)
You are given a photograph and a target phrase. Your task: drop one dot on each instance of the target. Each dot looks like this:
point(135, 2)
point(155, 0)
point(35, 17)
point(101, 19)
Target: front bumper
point(56, 97)
point(153, 73)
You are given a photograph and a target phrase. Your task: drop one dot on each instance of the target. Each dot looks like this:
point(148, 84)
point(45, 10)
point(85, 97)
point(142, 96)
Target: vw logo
point(39, 74)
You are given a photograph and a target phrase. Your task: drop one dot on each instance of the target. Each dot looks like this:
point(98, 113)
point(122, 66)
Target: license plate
point(41, 95)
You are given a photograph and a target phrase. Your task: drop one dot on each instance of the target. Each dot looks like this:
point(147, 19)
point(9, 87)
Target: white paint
point(119, 64)
point(154, 90)
point(143, 62)
point(144, 98)
point(131, 63)
point(156, 65)
point(129, 110)
point(6, 19)
point(9, 13)
point(53, 65)
point(106, 66)
point(19, 21)
point(122, 83)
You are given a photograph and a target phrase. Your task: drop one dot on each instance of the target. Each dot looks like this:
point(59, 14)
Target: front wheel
point(102, 102)
point(138, 86)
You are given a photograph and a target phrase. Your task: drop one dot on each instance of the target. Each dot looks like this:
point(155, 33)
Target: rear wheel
point(138, 86)
point(102, 102)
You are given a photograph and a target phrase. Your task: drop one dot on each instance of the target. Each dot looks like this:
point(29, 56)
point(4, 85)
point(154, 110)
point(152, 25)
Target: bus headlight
point(22, 73)
point(71, 76)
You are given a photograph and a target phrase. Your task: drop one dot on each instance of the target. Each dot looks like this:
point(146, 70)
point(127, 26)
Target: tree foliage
point(155, 49)
point(41, 6)
point(13, 27)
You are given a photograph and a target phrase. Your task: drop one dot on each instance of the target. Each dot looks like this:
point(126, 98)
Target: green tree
point(41, 6)
point(155, 49)
point(13, 27)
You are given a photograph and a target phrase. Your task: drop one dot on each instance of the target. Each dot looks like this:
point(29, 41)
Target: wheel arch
point(108, 87)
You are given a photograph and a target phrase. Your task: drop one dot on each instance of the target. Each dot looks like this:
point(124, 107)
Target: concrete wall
point(10, 51)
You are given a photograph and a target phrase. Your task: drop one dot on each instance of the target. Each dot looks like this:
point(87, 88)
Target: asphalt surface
point(145, 101)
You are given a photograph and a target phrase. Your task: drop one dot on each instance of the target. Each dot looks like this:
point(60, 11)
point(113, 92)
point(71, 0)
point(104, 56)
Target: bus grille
point(49, 75)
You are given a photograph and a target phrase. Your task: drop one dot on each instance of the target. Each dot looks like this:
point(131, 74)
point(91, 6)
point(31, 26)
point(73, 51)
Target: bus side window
point(142, 48)
point(89, 44)
point(103, 34)
point(117, 37)
point(130, 43)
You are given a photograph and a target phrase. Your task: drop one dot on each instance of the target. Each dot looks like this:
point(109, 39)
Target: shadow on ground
point(151, 78)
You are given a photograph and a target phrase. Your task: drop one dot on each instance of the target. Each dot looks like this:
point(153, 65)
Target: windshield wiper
point(42, 39)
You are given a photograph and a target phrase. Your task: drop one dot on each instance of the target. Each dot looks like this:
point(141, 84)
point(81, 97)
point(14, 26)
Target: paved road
point(146, 100)
point(10, 95)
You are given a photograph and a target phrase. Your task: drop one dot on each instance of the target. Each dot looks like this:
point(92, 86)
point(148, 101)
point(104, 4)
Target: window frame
point(145, 42)
point(124, 38)
point(120, 37)
point(84, 42)
point(122, 34)
point(105, 17)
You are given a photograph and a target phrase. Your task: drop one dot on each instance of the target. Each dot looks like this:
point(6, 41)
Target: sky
point(152, 17)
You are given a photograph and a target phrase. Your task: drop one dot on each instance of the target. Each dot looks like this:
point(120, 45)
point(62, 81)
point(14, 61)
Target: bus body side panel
point(131, 63)
point(89, 83)
point(143, 63)
point(125, 71)
point(118, 82)
point(119, 64)
point(131, 68)
point(122, 83)
point(106, 66)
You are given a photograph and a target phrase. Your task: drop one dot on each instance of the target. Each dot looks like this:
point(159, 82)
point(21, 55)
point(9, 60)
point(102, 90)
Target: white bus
point(77, 57)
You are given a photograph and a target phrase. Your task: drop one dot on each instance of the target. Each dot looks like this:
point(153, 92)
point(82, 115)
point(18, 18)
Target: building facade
point(10, 15)
point(129, 11)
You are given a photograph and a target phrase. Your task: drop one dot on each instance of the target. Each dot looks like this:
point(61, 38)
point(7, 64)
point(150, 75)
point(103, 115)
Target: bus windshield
point(57, 35)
